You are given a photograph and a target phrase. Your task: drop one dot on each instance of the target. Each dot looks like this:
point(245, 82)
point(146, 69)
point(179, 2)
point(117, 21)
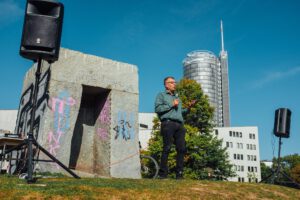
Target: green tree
point(295, 173)
point(205, 156)
point(201, 114)
point(265, 170)
point(288, 163)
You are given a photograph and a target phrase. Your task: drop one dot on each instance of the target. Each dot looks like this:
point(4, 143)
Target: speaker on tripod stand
point(42, 29)
point(40, 41)
point(282, 124)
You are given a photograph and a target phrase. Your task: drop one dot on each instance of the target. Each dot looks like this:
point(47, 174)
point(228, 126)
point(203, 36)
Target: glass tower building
point(212, 73)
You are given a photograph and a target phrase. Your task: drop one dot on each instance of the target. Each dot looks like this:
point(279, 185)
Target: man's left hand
point(192, 103)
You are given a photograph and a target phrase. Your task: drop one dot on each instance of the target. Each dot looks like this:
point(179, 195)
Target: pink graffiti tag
point(61, 103)
point(102, 133)
point(60, 106)
point(105, 113)
point(54, 142)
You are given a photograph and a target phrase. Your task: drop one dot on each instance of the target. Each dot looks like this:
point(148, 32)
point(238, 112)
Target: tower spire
point(222, 37)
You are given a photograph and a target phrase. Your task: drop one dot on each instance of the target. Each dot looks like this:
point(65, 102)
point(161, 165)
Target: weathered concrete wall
point(87, 114)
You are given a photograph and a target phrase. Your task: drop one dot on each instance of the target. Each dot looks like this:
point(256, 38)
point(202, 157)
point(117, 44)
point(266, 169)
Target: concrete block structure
point(87, 114)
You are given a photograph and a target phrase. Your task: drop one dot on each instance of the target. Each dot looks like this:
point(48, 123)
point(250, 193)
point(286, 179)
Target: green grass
point(87, 188)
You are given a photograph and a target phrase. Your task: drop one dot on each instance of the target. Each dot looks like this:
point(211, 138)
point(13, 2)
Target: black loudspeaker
point(282, 122)
point(42, 30)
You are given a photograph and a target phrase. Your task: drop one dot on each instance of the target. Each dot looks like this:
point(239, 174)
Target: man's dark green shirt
point(165, 109)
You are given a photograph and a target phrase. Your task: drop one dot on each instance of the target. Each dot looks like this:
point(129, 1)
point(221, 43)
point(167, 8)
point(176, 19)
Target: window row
point(235, 134)
point(229, 144)
point(251, 146)
point(251, 135)
point(252, 169)
point(239, 168)
point(237, 156)
point(241, 179)
point(239, 145)
point(251, 157)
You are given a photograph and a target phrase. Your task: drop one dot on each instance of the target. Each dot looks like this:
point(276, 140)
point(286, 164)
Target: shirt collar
point(168, 92)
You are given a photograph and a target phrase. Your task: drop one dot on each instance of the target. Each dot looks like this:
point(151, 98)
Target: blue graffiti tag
point(125, 127)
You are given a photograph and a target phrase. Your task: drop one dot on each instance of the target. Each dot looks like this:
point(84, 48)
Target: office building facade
point(243, 150)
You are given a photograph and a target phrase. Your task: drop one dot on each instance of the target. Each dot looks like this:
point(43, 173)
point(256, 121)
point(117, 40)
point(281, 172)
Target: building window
point(217, 132)
point(241, 135)
point(230, 133)
point(227, 144)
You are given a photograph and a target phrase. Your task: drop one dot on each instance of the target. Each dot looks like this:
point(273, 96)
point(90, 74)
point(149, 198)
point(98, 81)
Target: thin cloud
point(274, 76)
point(10, 11)
point(193, 9)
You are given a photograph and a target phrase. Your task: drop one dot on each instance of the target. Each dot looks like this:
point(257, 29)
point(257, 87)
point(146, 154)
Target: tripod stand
point(30, 140)
point(274, 177)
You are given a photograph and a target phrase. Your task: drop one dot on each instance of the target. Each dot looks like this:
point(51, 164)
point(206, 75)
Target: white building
point(8, 121)
point(145, 128)
point(243, 150)
point(241, 142)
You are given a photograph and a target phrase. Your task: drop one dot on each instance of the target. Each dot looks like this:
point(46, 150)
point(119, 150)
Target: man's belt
point(171, 120)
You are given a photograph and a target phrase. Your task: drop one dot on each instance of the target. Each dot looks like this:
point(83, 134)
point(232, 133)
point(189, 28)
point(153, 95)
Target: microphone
point(177, 98)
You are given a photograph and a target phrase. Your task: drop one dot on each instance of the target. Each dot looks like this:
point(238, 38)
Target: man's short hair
point(168, 78)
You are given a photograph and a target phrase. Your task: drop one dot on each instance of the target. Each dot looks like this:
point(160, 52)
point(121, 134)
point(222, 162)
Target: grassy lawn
point(87, 188)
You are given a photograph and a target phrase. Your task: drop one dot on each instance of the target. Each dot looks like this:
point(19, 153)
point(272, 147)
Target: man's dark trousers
point(172, 131)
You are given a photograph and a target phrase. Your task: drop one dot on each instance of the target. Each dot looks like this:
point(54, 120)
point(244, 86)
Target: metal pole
point(32, 119)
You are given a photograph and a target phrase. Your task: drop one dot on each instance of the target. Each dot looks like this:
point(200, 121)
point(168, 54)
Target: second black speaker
point(282, 122)
point(42, 30)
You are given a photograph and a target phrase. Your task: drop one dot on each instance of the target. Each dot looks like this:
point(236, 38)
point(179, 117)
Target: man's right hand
point(175, 102)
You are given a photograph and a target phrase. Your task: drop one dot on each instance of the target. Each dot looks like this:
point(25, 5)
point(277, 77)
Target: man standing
point(168, 106)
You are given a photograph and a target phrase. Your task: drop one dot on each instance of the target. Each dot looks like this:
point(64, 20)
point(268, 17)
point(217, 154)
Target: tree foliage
point(295, 173)
point(289, 165)
point(265, 170)
point(205, 156)
point(201, 114)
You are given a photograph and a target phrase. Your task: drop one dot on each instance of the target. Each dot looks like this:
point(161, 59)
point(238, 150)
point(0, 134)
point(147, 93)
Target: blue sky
point(262, 39)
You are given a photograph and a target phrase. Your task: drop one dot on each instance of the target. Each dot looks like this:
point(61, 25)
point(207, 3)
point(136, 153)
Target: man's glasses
point(172, 82)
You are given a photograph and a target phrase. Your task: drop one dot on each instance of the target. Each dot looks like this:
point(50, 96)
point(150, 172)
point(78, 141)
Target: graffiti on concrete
point(125, 128)
point(60, 106)
point(104, 121)
point(102, 133)
point(25, 106)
